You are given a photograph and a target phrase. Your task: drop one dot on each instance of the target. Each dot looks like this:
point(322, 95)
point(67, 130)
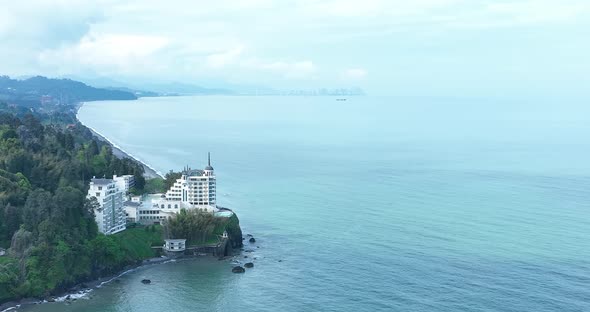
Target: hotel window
point(100, 188)
point(97, 194)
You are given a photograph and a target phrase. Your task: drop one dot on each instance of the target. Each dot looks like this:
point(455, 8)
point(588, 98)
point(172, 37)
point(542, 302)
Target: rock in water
point(146, 281)
point(249, 265)
point(252, 240)
point(238, 269)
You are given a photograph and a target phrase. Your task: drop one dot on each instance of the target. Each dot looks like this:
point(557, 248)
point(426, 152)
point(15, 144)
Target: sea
point(369, 204)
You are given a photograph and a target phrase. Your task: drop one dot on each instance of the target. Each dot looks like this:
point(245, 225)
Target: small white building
point(2, 252)
point(125, 182)
point(131, 211)
point(175, 244)
point(136, 199)
point(110, 214)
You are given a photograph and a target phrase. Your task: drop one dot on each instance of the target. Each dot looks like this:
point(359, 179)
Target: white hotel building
point(125, 182)
point(110, 215)
point(194, 190)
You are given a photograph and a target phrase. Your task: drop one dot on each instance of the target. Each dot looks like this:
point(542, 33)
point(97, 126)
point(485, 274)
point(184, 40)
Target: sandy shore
point(149, 172)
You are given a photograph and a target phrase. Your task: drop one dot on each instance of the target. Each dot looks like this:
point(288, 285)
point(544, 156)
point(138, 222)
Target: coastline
point(85, 288)
point(82, 289)
point(149, 171)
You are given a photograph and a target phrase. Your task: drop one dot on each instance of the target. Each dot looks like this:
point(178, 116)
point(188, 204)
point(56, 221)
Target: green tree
point(93, 148)
point(38, 207)
point(22, 240)
point(193, 225)
point(69, 206)
point(12, 220)
point(170, 178)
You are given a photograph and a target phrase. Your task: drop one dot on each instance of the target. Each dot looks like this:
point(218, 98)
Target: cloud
point(267, 41)
point(355, 74)
point(225, 58)
point(373, 8)
point(48, 23)
point(289, 70)
point(107, 53)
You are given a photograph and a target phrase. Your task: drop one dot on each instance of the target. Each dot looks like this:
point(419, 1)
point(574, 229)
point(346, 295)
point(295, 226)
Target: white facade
point(196, 189)
point(110, 215)
point(124, 183)
point(131, 211)
point(175, 244)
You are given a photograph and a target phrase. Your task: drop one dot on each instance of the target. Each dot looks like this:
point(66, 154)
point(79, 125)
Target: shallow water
point(373, 204)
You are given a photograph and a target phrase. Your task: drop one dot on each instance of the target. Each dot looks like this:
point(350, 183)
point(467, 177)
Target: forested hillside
point(36, 90)
point(45, 221)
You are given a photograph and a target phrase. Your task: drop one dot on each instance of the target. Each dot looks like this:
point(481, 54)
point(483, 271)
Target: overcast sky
point(402, 47)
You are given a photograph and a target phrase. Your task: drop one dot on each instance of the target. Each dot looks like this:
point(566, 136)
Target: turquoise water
point(373, 204)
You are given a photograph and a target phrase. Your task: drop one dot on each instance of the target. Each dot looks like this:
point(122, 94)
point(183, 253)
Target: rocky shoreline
point(85, 288)
point(81, 289)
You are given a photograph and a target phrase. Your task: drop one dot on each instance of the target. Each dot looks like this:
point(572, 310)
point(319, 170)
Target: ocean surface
point(370, 204)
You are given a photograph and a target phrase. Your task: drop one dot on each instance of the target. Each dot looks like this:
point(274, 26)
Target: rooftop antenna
point(209, 159)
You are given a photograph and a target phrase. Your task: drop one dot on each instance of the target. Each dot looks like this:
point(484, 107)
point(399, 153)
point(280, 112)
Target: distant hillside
point(152, 88)
point(41, 90)
point(178, 88)
point(138, 93)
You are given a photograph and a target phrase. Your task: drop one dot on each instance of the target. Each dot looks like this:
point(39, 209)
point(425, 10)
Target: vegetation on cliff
point(199, 227)
point(46, 161)
point(45, 219)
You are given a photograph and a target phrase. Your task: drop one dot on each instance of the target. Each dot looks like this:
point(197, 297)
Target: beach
point(149, 172)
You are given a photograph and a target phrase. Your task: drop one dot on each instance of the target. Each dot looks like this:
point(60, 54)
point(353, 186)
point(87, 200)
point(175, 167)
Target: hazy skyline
point(419, 47)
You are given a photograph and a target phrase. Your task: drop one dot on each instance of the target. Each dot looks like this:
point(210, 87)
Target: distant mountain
point(138, 93)
point(112, 84)
point(42, 90)
point(180, 88)
point(151, 88)
point(214, 87)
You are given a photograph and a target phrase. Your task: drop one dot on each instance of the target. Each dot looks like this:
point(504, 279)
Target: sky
point(387, 47)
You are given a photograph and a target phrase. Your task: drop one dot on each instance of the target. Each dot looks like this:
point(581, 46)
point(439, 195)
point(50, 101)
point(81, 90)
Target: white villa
point(110, 215)
point(194, 190)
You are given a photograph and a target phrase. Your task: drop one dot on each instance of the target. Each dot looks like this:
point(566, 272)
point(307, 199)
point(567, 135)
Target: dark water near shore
point(373, 204)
